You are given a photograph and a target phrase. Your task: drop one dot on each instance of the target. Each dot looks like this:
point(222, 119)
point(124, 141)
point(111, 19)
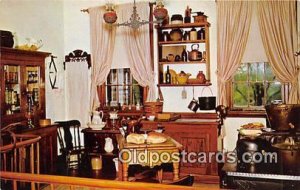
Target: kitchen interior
point(84, 82)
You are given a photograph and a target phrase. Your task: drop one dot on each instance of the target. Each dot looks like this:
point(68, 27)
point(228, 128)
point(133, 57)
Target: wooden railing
point(19, 153)
point(72, 182)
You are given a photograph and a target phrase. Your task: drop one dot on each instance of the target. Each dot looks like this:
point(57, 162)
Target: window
point(122, 89)
point(254, 85)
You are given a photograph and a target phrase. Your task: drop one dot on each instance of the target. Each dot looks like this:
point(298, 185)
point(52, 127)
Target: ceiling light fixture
point(110, 16)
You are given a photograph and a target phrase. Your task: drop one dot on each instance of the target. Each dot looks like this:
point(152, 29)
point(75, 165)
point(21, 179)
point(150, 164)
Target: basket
point(153, 108)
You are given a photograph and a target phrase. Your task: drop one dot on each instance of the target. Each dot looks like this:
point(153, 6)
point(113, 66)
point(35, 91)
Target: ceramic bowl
point(97, 126)
point(151, 118)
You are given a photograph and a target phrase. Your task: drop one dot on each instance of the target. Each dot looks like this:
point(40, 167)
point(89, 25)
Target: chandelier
point(110, 16)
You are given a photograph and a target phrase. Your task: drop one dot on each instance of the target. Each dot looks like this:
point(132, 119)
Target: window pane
point(269, 74)
point(123, 94)
point(256, 72)
point(257, 92)
point(120, 90)
point(112, 77)
point(273, 92)
point(241, 74)
point(240, 94)
point(137, 94)
point(114, 98)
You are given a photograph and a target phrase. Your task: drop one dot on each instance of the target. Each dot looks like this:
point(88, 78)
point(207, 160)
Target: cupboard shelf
point(179, 85)
point(181, 62)
point(184, 25)
point(181, 42)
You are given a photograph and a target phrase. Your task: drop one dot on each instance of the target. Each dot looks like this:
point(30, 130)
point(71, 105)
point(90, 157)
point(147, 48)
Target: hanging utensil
point(193, 106)
point(183, 93)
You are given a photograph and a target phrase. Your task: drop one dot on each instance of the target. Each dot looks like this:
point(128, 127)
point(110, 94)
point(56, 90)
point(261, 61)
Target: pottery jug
point(182, 77)
point(201, 77)
point(108, 147)
point(97, 117)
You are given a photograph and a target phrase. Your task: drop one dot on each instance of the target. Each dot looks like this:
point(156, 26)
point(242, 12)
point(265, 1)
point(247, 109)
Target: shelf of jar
point(178, 85)
point(184, 25)
point(11, 83)
point(181, 42)
point(182, 62)
point(32, 82)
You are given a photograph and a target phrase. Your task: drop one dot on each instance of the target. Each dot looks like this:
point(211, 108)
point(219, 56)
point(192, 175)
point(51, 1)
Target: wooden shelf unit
point(14, 103)
point(163, 44)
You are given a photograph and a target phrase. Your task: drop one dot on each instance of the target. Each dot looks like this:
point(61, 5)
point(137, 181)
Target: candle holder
point(30, 111)
point(113, 115)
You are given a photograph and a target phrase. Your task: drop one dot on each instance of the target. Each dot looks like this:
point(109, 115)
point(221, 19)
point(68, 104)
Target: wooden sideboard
point(196, 135)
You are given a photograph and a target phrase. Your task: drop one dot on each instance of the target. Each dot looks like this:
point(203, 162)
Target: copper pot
point(195, 54)
point(281, 115)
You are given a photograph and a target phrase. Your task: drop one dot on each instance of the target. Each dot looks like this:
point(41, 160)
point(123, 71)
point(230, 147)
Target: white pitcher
point(97, 117)
point(108, 147)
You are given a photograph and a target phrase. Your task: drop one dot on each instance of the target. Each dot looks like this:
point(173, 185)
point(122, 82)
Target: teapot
point(97, 117)
point(195, 54)
point(182, 77)
point(108, 147)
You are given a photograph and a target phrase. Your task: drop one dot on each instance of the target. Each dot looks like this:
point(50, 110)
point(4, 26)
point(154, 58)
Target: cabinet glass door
point(12, 89)
point(32, 82)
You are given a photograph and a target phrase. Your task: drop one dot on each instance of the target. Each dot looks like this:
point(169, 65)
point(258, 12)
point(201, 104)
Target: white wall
point(40, 19)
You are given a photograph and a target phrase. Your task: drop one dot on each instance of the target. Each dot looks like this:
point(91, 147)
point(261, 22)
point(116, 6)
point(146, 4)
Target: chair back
point(68, 141)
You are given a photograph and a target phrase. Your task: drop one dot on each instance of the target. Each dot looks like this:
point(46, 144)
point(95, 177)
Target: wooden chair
point(72, 152)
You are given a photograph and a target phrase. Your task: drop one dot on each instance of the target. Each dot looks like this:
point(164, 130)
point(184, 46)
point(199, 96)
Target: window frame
point(253, 109)
point(102, 93)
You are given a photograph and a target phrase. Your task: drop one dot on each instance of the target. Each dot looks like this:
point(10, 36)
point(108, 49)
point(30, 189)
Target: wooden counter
point(197, 136)
point(48, 147)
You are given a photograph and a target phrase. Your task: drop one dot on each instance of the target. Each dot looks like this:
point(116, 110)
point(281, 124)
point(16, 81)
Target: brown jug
point(201, 77)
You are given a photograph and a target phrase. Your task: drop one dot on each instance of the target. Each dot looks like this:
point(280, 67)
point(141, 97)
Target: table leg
point(125, 171)
point(160, 175)
point(175, 170)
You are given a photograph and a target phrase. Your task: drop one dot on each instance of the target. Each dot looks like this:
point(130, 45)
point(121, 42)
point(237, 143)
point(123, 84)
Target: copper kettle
point(195, 54)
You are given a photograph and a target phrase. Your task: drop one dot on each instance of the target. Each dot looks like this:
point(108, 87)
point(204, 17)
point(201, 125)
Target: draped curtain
point(279, 35)
point(102, 47)
point(234, 18)
point(137, 46)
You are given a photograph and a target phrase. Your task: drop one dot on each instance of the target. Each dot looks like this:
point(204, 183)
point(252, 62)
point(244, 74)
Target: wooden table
point(149, 155)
